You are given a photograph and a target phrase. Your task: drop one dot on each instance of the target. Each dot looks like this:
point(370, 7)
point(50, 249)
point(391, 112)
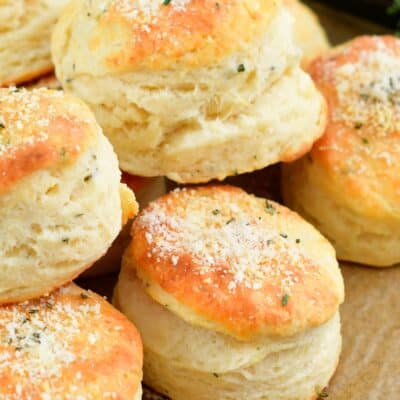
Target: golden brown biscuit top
point(71, 344)
point(361, 145)
point(247, 264)
point(40, 129)
point(160, 34)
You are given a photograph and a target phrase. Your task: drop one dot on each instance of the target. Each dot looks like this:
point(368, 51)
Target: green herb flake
point(269, 208)
point(364, 140)
point(65, 240)
point(215, 374)
point(230, 221)
point(166, 2)
point(216, 211)
point(2, 126)
point(285, 300)
point(36, 337)
point(358, 125)
point(241, 68)
point(84, 296)
point(323, 394)
point(298, 241)
point(87, 178)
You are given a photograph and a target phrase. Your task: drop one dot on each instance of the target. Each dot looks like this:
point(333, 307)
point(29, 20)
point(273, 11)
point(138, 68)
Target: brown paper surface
point(369, 367)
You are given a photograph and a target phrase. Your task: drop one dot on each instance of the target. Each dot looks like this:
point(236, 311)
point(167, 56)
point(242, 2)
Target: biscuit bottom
point(25, 39)
point(280, 125)
point(357, 237)
point(188, 362)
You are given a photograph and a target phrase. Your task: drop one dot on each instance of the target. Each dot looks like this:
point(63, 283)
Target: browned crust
point(48, 81)
point(27, 76)
point(112, 364)
point(248, 310)
point(201, 33)
point(40, 129)
point(355, 156)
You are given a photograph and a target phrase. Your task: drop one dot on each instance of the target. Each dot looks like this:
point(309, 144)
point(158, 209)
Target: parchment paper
point(369, 368)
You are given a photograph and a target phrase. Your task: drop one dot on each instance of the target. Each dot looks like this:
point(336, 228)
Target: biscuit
point(309, 35)
point(25, 34)
point(61, 201)
point(348, 186)
point(145, 189)
point(70, 344)
point(191, 90)
point(235, 297)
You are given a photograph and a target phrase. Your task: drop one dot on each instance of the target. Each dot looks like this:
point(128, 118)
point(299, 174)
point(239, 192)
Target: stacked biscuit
point(25, 30)
point(235, 296)
point(348, 185)
point(61, 206)
point(191, 90)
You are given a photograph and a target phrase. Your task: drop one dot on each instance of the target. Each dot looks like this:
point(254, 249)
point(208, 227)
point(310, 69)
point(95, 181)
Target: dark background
point(375, 10)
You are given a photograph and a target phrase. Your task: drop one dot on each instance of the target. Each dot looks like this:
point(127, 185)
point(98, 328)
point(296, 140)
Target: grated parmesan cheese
point(41, 339)
point(369, 92)
point(19, 122)
point(367, 110)
point(239, 241)
point(147, 9)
